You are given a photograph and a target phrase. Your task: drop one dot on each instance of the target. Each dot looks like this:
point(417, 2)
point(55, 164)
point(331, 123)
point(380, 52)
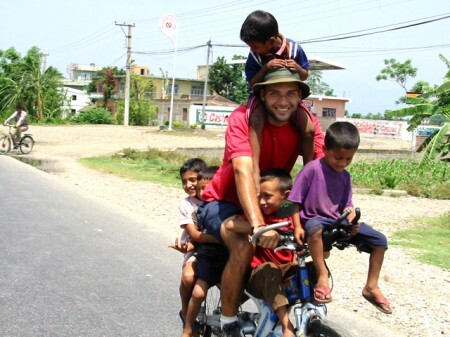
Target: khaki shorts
point(268, 281)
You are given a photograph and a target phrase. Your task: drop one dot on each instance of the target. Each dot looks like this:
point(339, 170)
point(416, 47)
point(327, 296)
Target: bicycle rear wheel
point(26, 144)
point(5, 145)
point(211, 319)
point(325, 328)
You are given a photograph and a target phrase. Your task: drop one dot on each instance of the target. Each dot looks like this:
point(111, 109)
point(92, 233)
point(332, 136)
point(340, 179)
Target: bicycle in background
point(8, 142)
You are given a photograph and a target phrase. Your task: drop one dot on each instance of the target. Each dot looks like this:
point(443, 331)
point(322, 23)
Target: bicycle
point(25, 144)
point(310, 318)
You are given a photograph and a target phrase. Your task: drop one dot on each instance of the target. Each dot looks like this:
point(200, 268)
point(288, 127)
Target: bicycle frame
point(298, 293)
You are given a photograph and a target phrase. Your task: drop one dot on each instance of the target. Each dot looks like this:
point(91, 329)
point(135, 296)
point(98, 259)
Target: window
point(142, 71)
point(196, 91)
point(84, 76)
point(328, 112)
point(176, 88)
point(74, 97)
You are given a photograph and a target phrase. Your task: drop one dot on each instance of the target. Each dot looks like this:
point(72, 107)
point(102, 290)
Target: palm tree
point(23, 81)
point(434, 102)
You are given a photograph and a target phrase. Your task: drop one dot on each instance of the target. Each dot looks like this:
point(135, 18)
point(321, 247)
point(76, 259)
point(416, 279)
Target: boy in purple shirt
point(321, 193)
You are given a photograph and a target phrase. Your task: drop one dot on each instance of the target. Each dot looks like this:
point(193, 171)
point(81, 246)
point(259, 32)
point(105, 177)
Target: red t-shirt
point(269, 255)
point(280, 148)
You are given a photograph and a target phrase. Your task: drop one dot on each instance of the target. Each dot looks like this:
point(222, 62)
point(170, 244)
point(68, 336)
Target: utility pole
point(205, 87)
point(126, 112)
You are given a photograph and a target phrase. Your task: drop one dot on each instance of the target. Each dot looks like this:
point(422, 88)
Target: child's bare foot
point(377, 299)
point(322, 291)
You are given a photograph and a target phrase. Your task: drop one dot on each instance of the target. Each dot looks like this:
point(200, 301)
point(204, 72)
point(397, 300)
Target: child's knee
point(199, 293)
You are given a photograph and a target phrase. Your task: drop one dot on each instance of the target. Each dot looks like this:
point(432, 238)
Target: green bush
point(93, 116)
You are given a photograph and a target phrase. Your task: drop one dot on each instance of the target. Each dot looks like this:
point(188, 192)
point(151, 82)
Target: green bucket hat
point(281, 76)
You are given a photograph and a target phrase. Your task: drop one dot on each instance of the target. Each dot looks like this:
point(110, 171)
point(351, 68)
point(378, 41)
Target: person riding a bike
point(21, 119)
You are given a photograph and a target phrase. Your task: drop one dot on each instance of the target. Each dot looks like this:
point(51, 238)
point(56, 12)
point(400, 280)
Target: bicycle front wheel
point(325, 328)
point(26, 145)
point(5, 145)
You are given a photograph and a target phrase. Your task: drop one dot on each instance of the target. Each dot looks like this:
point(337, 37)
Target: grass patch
point(429, 180)
point(429, 243)
point(162, 167)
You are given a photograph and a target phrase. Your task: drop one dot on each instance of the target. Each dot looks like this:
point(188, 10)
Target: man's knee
point(239, 248)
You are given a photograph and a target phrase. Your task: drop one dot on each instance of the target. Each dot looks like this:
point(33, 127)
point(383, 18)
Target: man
point(21, 125)
point(233, 191)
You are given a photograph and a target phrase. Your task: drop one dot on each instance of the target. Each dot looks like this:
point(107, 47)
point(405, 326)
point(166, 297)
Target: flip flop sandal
point(323, 292)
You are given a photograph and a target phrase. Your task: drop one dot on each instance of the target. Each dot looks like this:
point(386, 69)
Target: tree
point(107, 78)
point(398, 72)
point(317, 86)
point(142, 110)
point(434, 102)
point(228, 80)
point(22, 81)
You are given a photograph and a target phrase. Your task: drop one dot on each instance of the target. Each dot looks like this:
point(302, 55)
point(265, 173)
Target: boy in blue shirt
point(322, 192)
point(270, 50)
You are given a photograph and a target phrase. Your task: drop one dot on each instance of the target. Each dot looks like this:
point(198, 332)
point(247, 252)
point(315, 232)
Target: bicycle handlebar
point(254, 237)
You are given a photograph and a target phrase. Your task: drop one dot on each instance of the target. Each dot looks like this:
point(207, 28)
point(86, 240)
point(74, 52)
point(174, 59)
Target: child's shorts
point(212, 214)
point(211, 260)
point(366, 238)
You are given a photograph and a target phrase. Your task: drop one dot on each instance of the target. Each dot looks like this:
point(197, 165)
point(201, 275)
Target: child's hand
point(276, 64)
point(299, 234)
point(181, 246)
point(354, 229)
point(352, 214)
point(292, 65)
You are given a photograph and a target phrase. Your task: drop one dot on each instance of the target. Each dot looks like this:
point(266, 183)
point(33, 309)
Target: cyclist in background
point(21, 118)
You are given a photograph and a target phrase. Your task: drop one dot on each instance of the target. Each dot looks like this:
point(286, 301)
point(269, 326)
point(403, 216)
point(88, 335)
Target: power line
point(331, 38)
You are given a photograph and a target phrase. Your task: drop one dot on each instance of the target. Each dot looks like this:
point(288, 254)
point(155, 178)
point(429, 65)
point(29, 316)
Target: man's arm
point(9, 118)
point(246, 190)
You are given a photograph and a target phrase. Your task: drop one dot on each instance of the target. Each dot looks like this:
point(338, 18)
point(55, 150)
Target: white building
point(75, 101)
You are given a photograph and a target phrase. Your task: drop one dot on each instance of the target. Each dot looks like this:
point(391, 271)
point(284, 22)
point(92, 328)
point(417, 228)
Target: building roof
point(216, 100)
point(323, 64)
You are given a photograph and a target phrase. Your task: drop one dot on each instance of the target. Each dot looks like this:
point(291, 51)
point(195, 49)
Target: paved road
point(71, 266)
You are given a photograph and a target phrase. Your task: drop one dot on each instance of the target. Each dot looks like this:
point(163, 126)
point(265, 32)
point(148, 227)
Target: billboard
point(212, 116)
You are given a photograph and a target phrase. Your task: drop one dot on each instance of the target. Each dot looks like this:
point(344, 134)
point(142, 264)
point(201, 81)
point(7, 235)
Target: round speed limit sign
point(168, 25)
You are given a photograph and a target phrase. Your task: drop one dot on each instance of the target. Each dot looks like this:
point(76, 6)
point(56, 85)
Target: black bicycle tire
point(7, 148)
point(212, 306)
point(25, 147)
point(325, 328)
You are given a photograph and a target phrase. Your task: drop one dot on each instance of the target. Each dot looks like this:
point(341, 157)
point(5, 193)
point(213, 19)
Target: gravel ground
point(419, 293)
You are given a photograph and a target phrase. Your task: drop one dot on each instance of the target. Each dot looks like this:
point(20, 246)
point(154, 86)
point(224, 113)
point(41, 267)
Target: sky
point(358, 34)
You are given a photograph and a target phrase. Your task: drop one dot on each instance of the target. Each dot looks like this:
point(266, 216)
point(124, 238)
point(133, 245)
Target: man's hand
point(269, 239)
